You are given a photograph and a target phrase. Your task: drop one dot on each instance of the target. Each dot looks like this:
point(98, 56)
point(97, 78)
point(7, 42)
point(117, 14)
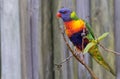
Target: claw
point(83, 34)
point(82, 57)
point(79, 53)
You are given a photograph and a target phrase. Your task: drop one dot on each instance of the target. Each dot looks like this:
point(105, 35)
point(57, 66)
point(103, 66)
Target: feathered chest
point(74, 30)
point(74, 26)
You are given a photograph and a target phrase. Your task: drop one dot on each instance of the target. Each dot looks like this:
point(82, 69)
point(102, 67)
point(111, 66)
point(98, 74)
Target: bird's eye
point(64, 12)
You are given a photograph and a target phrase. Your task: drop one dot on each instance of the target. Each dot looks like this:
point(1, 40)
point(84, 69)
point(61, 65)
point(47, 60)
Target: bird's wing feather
point(89, 29)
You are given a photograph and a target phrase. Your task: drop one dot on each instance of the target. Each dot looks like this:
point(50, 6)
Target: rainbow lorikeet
point(80, 34)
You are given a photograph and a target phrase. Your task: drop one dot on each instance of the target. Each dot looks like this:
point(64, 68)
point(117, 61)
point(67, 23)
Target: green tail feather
point(95, 53)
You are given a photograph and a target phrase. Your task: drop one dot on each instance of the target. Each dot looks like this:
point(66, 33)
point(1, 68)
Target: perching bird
point(80, 34)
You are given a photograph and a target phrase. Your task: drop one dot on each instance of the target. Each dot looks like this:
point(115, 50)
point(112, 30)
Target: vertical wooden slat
point(102, 21)
point(0, 37)
point(117, 38)
point(10, 40)
point(25, 40)
point(41, 66)
point(34, 20)
point(47, 46)
point(30, 38)
point(82, 9)
point(57, 41)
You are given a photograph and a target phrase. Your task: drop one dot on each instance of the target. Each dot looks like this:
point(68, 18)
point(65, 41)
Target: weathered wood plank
point(47, 40)
point(102, 21)
point(117, 37)
point(0, 37)
point(10, 40)
point(34, 24)
point(30, 38)
point(25, 40)
point(41, 66)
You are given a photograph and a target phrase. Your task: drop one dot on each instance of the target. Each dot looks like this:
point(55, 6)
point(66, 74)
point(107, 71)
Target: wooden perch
point(108, 50)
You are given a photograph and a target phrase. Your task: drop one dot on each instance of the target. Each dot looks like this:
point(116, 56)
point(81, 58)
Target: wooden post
point(10, 40)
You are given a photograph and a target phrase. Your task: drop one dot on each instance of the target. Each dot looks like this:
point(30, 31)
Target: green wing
point(75, 17)
point(90, 30)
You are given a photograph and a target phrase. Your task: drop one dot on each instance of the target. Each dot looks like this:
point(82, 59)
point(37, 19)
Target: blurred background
point(31, 42)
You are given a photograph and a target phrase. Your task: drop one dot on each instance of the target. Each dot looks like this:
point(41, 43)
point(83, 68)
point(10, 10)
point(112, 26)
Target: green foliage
point(87, 48)
point(102, 36)
point(94, 42)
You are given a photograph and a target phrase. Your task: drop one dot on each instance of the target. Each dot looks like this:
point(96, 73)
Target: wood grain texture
point(25, 40)
point(34, 24)
point(47, 40)
point(10, 40)
point(0, 38)
point(41, 66)
point(30, 39)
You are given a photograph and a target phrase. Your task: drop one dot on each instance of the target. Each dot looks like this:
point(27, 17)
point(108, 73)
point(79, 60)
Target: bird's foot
point(79, 54)
point(82, 57)
point(83, 34)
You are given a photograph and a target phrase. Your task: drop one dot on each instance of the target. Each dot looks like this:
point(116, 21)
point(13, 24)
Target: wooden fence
point(31, 42)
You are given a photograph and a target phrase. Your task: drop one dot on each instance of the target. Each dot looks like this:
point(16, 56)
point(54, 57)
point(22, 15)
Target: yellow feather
point(74, 26)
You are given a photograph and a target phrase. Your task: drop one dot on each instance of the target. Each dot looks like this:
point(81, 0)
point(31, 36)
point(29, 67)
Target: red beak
point(58, 15)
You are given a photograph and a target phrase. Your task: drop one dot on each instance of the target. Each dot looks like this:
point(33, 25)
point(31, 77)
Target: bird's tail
point(95, 53)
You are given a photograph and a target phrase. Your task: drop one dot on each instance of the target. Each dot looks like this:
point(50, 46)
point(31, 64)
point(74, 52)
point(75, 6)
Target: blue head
point(64, 13)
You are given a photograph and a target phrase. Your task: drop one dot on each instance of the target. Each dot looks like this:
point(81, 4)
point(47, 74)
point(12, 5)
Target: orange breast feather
point(74, 26)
